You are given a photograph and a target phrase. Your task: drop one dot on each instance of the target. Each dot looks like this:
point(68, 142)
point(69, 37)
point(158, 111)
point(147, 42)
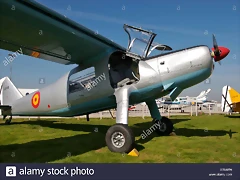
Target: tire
point(166, 126)
point(8, 121)
point(120, 130)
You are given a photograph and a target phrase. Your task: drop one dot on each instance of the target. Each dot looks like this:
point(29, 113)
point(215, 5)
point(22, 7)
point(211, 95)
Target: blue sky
point(179, 24)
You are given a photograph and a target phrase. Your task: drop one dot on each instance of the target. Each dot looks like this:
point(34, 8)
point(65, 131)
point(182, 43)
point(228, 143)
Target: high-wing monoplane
point(115, 77)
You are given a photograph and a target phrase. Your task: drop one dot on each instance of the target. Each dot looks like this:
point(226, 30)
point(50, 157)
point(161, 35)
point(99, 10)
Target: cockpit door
point(140, 40)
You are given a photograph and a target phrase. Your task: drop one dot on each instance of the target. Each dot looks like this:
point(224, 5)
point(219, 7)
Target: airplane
point(166, 103)
point(182, 102)
point(201, 98)
point(230, 100)
point(122, 76)
point(207, 104)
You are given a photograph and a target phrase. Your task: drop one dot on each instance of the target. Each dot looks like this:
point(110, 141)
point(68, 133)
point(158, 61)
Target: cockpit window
point(81, 80)
point(139, 40)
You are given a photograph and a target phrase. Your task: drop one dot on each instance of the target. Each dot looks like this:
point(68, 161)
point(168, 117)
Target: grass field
point(211, 139)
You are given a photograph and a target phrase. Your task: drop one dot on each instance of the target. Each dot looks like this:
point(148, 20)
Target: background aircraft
point(24, 92)
point(121, 76)
point(208, 104)
point(230, 100)
point(181, 102)
point(201, 98)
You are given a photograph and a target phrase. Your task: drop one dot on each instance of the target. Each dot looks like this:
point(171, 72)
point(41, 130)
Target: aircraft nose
point(223, 53)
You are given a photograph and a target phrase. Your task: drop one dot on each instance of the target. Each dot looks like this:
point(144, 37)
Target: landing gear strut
point(165, 126)
point(119, 138)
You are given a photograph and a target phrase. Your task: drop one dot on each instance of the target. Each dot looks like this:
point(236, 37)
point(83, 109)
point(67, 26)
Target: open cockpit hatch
point(140, 42)
point(123, 66)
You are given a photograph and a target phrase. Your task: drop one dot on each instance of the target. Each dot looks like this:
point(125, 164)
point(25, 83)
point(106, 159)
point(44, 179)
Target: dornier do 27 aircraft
point(118, 77)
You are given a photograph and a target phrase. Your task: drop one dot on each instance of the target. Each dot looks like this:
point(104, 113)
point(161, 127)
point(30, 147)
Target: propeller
point(215, 46)
point(218, 53)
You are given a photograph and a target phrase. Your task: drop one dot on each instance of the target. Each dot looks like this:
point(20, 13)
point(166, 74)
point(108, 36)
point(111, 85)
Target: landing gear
point(8, 121)
point(165, 128)
point(120, 138)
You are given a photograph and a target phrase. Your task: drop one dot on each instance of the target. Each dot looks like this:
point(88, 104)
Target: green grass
point(199, 139)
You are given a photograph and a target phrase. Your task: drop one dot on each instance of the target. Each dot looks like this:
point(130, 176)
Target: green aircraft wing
point(38, 31)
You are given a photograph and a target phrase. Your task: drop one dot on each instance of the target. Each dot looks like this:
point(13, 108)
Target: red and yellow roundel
point(36, 100)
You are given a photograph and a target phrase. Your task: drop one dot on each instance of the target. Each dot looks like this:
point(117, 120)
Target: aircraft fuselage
point(159, 76)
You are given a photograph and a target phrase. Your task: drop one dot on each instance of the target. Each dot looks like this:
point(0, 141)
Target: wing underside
point(35, 30)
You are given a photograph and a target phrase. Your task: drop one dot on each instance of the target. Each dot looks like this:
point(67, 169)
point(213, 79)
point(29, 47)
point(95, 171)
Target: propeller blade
point(219, 62)
point(215, 42)
point(216, 49)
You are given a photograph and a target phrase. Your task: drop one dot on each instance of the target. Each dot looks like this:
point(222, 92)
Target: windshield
point(138, 47)
point(139, 40)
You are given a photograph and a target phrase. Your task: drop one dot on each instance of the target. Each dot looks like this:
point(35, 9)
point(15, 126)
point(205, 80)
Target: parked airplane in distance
point(230, 100)
point(181, 102)
point(201, 98)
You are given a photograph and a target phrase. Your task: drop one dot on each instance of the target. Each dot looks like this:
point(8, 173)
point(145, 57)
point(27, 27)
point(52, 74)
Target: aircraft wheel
point(166, 126)
point(120, 138)
point(8, 121)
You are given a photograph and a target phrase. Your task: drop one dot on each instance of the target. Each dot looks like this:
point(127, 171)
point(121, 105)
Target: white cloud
point(97, 17)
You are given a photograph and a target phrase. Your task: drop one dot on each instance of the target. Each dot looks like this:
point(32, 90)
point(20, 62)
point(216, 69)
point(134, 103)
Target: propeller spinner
point(218, 52)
